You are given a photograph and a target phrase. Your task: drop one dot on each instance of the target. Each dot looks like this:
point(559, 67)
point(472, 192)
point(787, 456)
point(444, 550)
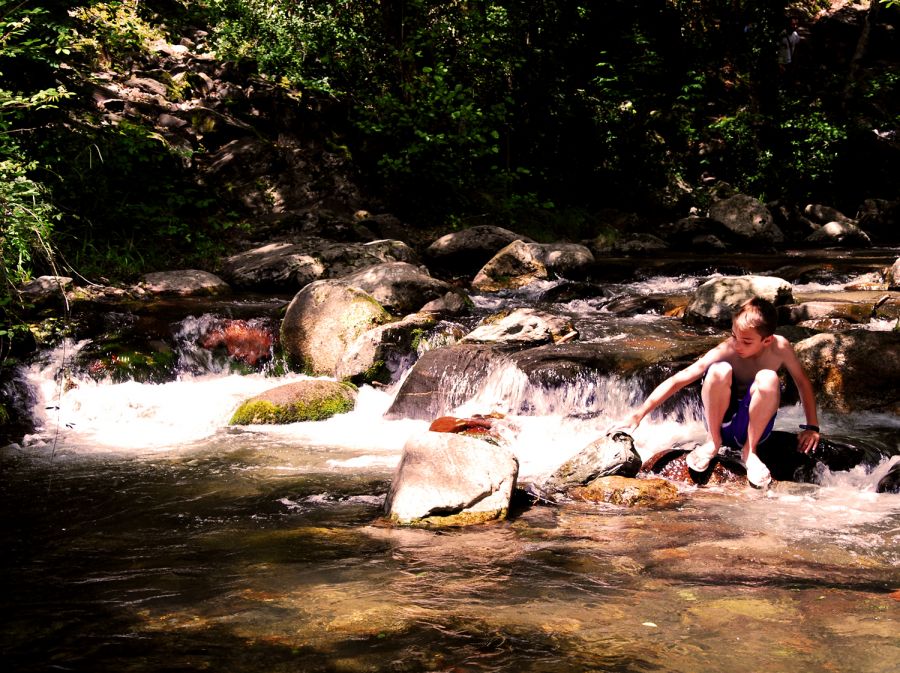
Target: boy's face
point(748, 342)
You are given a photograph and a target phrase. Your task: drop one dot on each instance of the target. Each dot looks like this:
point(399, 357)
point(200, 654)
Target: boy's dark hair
point(759, 314)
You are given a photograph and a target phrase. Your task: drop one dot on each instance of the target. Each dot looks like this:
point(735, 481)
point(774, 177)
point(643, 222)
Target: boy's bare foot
point(757, 473)
point(698, 459)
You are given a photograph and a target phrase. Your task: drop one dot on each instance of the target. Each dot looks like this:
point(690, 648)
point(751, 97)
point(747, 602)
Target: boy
point(741, 391)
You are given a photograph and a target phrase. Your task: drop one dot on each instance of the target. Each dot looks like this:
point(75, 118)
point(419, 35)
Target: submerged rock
point(447, 479)
point(312, 400)
point(629, 492)
point(890, 483)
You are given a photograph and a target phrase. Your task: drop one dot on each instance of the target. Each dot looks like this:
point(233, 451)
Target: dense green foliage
point(481, 107)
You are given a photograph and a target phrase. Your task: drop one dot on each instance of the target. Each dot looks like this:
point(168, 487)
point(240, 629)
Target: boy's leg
point(716, 396)
point(765, 396)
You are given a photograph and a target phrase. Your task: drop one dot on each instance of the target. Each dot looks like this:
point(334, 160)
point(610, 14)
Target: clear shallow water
point(142, 534)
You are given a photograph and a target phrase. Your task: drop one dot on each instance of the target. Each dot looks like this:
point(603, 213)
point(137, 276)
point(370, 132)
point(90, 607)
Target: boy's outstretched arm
point(672, 385)
point(808, 439)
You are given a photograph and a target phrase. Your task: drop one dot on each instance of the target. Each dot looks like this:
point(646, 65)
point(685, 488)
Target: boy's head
point(758, 314)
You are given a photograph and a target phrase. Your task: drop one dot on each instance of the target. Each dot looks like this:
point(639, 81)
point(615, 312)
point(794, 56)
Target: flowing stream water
point(141, 533)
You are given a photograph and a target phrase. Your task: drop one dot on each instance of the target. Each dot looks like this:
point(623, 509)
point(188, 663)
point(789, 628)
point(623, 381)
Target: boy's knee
point(719, 372)
point(767, 381)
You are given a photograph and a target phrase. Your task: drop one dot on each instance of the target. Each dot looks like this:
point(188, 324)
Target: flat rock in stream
point(183, 283)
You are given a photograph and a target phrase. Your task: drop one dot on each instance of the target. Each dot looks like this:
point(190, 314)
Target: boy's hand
point(628, 424)
point(807, 441)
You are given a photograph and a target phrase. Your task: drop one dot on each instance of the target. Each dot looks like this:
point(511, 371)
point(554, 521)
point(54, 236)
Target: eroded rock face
point(323, 319)
point(447, 479)
point(857, 370)
point(716, 300)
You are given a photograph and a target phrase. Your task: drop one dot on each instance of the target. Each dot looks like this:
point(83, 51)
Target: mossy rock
point(313, 400)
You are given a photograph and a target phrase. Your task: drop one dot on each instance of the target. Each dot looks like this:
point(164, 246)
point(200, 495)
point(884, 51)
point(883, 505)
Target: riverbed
point(141, 533)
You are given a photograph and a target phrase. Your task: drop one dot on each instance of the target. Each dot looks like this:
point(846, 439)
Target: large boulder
point(447, 479)
point(463, 253)
point(748, 218)
point(717, 299)
point(612, 454)
point(442, 379)
point(383, 353)
point(183, 283)
point(312, 400)
point(858, 370)
point(542, 380)
point(323, 319)
point(520, 264)
point(400, 287)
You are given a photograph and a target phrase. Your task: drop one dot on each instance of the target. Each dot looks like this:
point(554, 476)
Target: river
point(141, 533)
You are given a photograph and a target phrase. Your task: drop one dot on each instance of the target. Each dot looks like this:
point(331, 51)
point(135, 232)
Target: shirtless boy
point(741, 392)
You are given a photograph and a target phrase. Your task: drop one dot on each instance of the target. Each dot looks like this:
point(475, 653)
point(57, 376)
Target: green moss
point(378, 371)
point(261, 412)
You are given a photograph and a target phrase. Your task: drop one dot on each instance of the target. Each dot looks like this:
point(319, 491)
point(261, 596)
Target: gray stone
point(465, 252)
point(279, 266)
point(839, 233)
point(612, 454)
point(400, 287)
point(520, 264)
point(323, 319)
point(183, 283)
point(893, 275)
point(716, 299)
point(446, 479)
point(383, 353)
point(747, 217)
point(524, 326)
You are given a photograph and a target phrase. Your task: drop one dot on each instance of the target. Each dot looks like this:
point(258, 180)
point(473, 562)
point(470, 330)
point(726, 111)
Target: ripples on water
point(142, 535)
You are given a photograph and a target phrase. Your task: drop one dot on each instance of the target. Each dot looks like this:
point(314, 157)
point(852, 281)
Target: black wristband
point(814, 428)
